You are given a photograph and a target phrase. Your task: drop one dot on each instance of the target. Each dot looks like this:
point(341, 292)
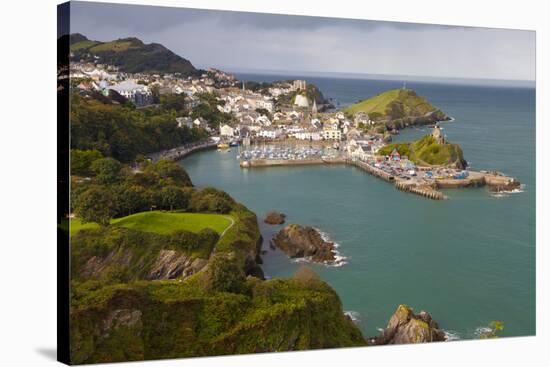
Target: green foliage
point(494, 328)
point(172, 173)
point(95, 205)
point(225, 274)
point(174, 102)
point(427, 151)
point(123, 133)
point(107, 170)
point(211, 200)
point(173, 197)
point(81, 161)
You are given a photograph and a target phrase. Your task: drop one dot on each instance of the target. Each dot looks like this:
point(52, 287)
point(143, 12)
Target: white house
point(314, 135)
point(270, 133)
point(332, 134)
point(226, 130)
point(139, 94)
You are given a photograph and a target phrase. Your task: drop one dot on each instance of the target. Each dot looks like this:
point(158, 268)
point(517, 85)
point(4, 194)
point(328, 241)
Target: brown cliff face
point(171, 264)
point(405, 327)
point(297, 242)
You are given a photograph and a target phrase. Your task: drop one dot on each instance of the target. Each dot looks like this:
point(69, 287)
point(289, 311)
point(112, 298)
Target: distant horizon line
point(375, 76)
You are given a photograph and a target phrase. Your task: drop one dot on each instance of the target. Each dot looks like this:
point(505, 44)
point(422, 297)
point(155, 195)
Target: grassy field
point(405, 102)
point(375, 104)
point(163, 222)
point(116, 46)
point(82, 44)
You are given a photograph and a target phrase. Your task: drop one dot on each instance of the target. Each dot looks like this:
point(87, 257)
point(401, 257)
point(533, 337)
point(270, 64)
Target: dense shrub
point(225, 274)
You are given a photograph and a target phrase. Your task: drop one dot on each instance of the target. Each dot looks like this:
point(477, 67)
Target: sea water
point(467, 260)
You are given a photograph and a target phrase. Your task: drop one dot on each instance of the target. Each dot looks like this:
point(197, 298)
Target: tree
point(167, 170)
point(173, 197)
point(107, 170)
point(81, 161)
point(95, 204)
point(131, 199)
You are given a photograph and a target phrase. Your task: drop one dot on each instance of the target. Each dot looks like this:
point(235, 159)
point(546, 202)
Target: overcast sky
point(252, 41)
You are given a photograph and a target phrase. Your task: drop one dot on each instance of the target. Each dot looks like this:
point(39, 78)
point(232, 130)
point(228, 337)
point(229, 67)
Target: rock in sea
point(298, 242)
point(406, 327)
point(274, 218)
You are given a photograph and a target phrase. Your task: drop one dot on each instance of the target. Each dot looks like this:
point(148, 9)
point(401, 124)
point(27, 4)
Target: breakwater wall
point(427, 191)
point(181, 152)
point(289, 162)
point(419, 186)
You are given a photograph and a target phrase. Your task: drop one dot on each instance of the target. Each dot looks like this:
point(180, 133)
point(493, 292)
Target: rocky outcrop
point(497, 182)
point(274, 218)
point(298, 241)
point(171, 264)
point(406, 327)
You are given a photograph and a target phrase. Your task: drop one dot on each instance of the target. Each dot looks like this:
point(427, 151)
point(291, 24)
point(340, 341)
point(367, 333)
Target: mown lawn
point(163, 222)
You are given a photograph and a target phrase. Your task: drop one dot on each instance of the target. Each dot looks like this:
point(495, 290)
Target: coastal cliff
point(139, 295)
point(169, 319)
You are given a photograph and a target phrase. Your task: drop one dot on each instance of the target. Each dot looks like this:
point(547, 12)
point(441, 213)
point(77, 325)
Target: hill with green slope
point(130, 55)
point(399, 107)
point(428, 152)
point(163, 222)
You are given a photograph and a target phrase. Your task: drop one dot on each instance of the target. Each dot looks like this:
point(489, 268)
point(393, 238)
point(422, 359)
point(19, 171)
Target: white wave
point(339, 260)
point(451, 335)
point(354, 316)
point(482, 330)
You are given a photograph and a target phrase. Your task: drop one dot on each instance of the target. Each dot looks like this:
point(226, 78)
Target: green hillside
point(163, 222)
point(130, 55)
point(172, 319)
point(394, 104)
point(427, 151)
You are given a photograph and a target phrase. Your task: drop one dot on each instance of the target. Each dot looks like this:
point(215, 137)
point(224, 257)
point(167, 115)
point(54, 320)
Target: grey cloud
point(297, 43)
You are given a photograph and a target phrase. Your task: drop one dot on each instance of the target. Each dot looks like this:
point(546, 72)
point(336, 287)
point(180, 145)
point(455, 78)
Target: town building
point(332, 134)
point(139, 94)
point(227, 131)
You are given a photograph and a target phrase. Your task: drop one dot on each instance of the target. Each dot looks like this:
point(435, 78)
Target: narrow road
point(231, 225)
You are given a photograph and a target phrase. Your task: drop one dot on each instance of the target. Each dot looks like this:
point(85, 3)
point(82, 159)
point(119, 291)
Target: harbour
point(460, 258)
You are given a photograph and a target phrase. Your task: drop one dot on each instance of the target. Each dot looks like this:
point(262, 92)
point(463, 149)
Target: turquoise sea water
point(467, 260)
